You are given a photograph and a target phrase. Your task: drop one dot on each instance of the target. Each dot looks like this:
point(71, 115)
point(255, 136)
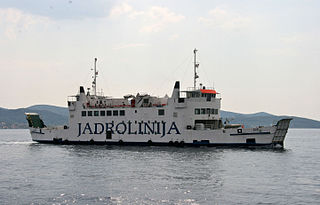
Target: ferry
point(189, 117)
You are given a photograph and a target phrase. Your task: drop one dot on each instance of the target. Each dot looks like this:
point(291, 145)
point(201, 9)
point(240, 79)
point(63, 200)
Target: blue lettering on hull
point(141, 128)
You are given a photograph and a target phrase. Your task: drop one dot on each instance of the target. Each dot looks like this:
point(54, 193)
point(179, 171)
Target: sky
point(262, 56)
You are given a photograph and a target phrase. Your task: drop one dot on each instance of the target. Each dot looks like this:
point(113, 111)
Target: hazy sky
point(261, 55)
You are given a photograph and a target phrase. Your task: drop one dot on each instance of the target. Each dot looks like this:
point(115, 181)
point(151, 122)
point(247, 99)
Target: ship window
point(203, 111)
point(122, 113)
point(109, 113)
point(145, 101)
point(180, 100)
point(197, 111)
point(115, 113)
point(102, 113)
point(208, 111)
point(89, 113)
point(208, 97)
point(83, 113)
point(96, 113)
point(161, 112)
point(215, 111)
point(212, 111)
point(196, 94)
point(175, 114)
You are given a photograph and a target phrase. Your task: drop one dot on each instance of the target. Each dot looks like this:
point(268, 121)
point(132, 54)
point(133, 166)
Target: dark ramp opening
point(251, 141)
point(109, 134)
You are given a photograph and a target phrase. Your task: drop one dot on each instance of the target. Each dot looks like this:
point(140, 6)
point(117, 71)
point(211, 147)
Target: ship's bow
point(281, 131)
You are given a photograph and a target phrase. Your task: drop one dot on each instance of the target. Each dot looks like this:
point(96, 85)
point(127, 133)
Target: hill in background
point(54, 115)
point(266, 119)
point(51, 115)
point(50, 108)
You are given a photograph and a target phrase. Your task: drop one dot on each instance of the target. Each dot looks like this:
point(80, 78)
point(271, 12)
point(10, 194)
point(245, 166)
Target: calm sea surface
point(32, 173)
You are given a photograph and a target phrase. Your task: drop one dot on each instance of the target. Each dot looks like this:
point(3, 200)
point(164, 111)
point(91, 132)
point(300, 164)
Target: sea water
point(32, 173)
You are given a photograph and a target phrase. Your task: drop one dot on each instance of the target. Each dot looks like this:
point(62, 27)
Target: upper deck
point(140, 100)
point(202, 92)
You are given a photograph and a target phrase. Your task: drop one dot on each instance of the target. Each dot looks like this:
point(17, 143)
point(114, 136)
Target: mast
point(94, 83)
point(196, 65)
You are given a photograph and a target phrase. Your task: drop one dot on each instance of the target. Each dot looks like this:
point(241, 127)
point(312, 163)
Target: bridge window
point(102, 113)
point(161, 112)
point(122, 112)
point(208, 97)
point(203, 111)
point(83, 113)
point(96, 113)
point(115, 113)
point(214, 111)
point(109, 113)
point(146, 100)
point(89, 113)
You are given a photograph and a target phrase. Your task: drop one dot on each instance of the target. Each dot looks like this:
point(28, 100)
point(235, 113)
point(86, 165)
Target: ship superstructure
point(191, 119)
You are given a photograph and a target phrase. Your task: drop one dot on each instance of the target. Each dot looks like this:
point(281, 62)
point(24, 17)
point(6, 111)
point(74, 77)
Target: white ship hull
point(241, 137)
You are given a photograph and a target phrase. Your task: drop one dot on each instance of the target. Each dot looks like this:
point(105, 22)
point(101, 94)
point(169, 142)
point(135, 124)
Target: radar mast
point(196, 65)
point(94, 83)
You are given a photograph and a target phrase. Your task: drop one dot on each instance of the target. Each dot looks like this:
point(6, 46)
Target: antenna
point(94, 83)
point(196, 65)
